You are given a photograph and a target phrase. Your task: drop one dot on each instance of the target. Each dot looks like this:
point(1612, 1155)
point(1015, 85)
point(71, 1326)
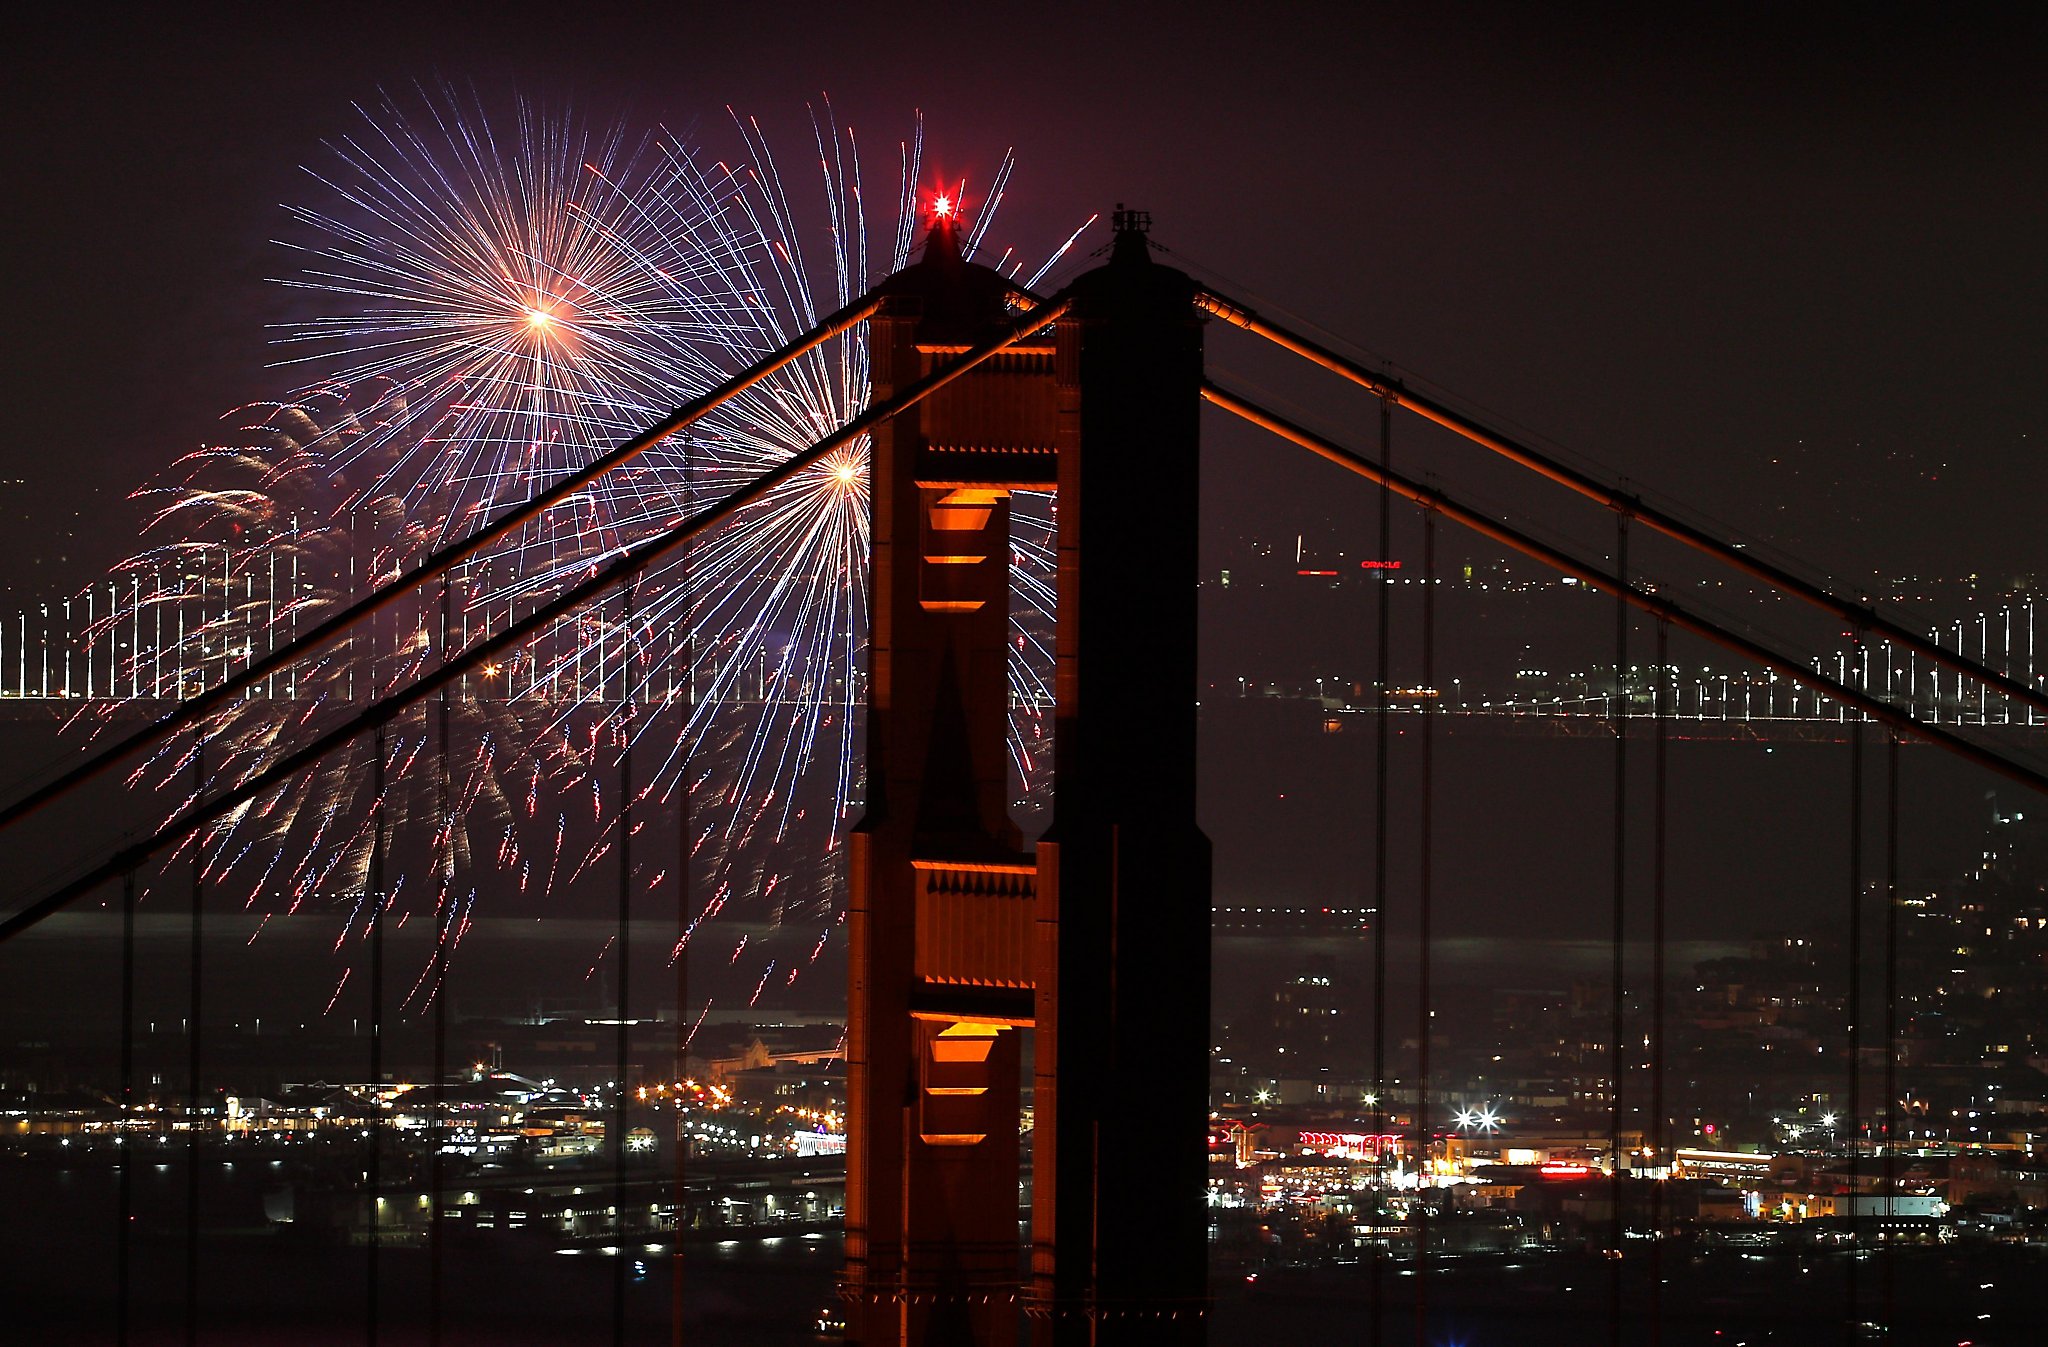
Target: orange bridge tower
point(960, 938)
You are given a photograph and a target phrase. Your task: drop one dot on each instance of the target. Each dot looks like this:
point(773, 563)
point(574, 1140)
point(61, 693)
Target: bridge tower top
point(957, 302)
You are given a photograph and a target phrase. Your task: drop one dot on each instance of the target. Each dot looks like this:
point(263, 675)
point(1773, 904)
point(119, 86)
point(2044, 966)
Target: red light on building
point(1381, 565)
point(1315, 572)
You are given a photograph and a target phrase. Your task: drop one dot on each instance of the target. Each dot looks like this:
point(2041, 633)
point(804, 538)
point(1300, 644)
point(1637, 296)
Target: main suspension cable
point(1858, 615)
point(1657, 604)
point(630, 560)
point(194, 710)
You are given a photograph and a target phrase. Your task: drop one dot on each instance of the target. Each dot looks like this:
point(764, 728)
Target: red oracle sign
point(1381, 565)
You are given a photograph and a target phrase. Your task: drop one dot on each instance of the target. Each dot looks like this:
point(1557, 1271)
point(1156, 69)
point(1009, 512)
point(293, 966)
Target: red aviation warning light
point(943, 227)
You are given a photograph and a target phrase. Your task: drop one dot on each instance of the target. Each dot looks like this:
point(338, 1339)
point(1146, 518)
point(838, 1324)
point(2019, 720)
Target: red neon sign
point(1372, 1141)
point(1381, 565)
point(1557, 1169)
point(1315, 572)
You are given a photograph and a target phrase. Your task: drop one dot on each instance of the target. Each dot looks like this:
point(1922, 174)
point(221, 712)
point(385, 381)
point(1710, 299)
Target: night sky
point(1785, 268)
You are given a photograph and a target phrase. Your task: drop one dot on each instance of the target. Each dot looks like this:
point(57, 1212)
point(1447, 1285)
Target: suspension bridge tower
point(1097, 939)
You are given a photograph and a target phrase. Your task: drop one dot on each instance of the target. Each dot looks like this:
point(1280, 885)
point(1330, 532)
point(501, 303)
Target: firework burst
point(483, 312)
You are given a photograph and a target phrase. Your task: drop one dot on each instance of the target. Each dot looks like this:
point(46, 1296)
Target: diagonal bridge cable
point(1860, 616)
point(629, 562)
point(191, 712)
point(1656, 605)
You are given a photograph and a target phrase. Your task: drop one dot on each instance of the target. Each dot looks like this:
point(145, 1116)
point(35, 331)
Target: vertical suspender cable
point(444, 930)
point(192, 1064)
point(1615, 1029)
point(374, 1174)
point(1424, 889)
point(1855, 1099)
point(1891, 1014)
point(1379, 883)
point(1659, 800)
point(124, 1139)
point(623, 727)
point(373, 900)
point(680, 1068)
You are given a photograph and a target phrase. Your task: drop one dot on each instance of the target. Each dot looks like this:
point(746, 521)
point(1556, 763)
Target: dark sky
point(1744, 258)
point(1785, 265)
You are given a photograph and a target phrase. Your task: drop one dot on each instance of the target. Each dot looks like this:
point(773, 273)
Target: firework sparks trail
point(488, 304)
